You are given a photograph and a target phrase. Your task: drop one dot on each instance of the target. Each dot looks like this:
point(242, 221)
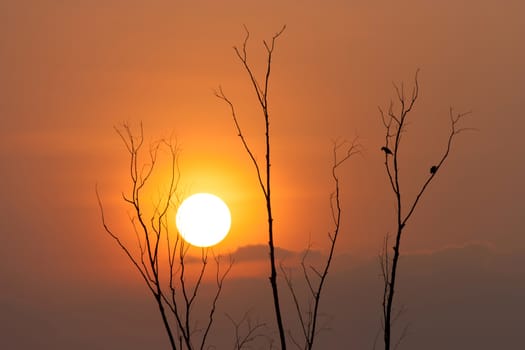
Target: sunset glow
point(186, 204)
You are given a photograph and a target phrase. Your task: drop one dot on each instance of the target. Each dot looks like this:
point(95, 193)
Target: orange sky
point(71, 70)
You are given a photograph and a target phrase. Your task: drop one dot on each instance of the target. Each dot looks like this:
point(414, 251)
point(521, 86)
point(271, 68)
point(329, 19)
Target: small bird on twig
point(433, 169)
point(386, 150)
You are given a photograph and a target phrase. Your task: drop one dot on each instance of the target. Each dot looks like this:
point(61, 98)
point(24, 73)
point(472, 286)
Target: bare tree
point(395, 124)
point(160, 256)
point(263, 172)
point(315, 277)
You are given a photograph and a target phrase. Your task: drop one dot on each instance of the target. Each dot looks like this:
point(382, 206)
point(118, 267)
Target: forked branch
point(315, 278)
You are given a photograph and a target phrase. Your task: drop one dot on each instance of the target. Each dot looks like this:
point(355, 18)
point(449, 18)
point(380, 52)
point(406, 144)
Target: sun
point(203, 219)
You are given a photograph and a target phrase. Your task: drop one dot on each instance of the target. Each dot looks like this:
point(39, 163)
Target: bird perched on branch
point(386, 150)
point(433, 169)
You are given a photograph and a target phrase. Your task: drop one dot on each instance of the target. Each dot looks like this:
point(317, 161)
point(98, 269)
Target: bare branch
point(119, 242)
point(315, 278)
point(251, 334)
point(453, 132)
point(221, 95)
point(219, 279)
point(288, 279)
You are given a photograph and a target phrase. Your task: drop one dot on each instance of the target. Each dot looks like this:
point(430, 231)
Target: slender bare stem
point(264, 180)
point(315, 278)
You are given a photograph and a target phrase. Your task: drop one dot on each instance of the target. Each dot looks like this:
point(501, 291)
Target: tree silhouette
point(395, 124)
point(160, 256)
point(263, 174)
point(314, 278)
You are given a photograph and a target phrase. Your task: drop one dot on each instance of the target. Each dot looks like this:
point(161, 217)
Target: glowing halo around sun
point(203, 220)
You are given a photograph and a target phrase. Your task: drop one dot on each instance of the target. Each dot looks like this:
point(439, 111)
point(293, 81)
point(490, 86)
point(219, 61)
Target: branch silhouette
point(168, 283)
point(264, 180)
point(395, 126)
point(314, 277)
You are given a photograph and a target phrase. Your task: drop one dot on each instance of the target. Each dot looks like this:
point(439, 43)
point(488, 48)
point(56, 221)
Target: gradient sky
point(71, 70)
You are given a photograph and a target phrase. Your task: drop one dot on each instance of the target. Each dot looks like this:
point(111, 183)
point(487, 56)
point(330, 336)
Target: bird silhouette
point(433, 169)
point(386, 150)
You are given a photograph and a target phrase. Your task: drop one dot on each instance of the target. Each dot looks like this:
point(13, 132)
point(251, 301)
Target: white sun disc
point(203, 220)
